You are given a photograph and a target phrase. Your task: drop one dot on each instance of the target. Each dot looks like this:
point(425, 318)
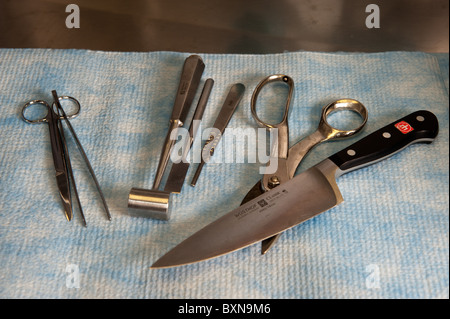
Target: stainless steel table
point(227, 26)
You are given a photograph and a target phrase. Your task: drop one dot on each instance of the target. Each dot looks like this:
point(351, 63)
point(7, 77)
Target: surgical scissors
point(289, 158)
point(60, 154)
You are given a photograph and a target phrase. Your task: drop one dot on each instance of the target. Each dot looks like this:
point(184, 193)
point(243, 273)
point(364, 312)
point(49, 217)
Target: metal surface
point(149, 203)
point(44, 103)
point(291, 203)
point(232, 26)
point(58, 149)
point(154, 203)
point(226, 112)
point(178, 172)
point(287, 159)
point(190, 78)
point(301, 198)
point(61, 158)
point(282, 126)
point(324, 132)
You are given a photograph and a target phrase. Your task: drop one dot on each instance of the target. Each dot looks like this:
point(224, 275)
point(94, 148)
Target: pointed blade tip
point(68, 212)
point(161, 265)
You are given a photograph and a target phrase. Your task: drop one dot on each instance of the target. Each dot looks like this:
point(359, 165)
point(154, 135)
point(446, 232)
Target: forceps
point(289, 158)
point(60, 154)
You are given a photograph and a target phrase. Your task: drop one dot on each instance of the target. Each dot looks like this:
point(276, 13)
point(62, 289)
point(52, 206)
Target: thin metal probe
point(226, 112)
point(88, 164)
point(197, 173)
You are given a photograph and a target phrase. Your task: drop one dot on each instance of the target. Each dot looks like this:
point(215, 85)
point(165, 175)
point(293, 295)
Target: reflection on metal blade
point(64, 192)
point(177, 174)
point(281, 208)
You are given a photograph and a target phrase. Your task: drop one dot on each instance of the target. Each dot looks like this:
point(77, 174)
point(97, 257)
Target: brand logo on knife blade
point(243, 212)
point(262, 203)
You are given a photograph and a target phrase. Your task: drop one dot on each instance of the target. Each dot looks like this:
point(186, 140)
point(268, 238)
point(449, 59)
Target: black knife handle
point(420, 126)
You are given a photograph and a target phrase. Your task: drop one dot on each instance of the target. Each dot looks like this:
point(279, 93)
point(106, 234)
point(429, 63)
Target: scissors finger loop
point(341, 105)
point(272, 78)
point(31, 103)
point(44, 119)
point(77, 106)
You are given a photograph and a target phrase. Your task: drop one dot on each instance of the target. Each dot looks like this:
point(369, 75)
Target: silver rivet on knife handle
point(226, 112)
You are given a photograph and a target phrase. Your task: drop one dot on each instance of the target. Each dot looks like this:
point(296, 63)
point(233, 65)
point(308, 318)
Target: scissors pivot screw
point(273, 182)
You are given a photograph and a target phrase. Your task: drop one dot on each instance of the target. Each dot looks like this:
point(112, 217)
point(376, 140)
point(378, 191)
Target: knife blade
point(255, 191)
point(301, 198)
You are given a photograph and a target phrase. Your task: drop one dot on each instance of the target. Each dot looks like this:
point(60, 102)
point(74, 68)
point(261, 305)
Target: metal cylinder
point(149, 203)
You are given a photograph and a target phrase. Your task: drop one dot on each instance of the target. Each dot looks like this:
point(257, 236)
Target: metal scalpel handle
point(177, 175)
point(189, 82)
point(226, 112)
point(155, 203)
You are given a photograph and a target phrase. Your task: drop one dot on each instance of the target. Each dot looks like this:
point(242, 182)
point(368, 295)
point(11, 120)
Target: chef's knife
point(301, 198)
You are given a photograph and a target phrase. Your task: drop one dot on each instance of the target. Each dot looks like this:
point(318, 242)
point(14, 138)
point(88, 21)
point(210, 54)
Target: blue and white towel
point(389, 239)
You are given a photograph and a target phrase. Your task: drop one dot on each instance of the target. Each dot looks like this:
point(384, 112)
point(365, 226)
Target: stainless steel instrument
point(226, 112)
point(301, 198)
point(289, 158)
point(60, 152)
point(178, 172)
point(155, 203)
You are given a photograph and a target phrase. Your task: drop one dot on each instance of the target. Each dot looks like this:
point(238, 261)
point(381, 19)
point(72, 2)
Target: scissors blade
point(275, 211)
point(301, 198)
point(59, 161)
point(62, 181)
point(254, 192)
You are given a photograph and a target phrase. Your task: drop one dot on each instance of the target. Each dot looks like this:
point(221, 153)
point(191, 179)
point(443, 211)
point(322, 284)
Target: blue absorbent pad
point(388, 239)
